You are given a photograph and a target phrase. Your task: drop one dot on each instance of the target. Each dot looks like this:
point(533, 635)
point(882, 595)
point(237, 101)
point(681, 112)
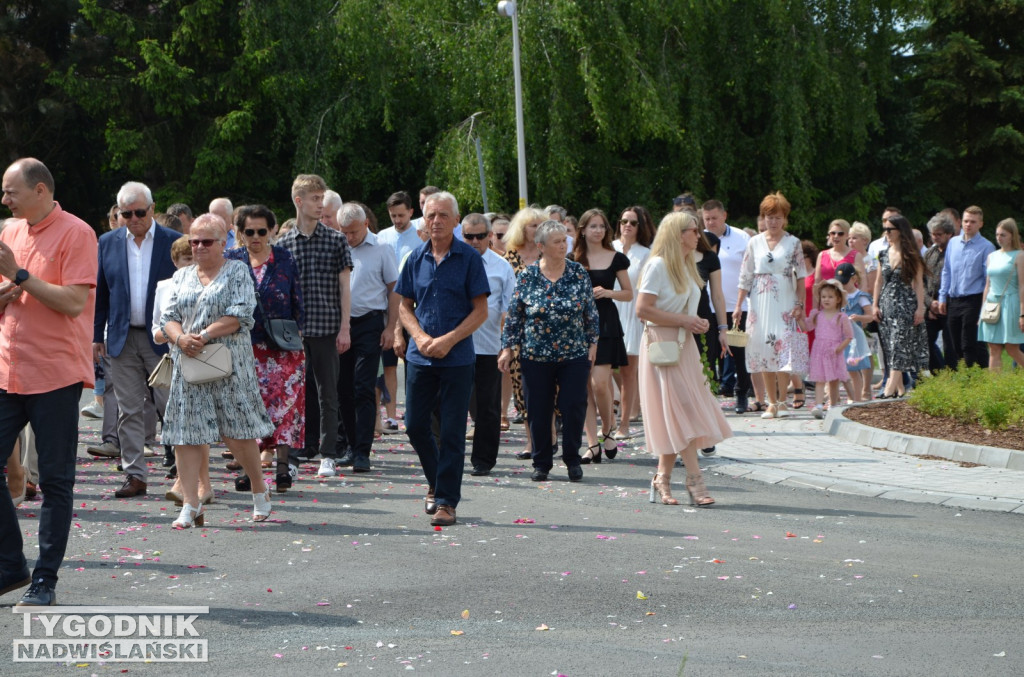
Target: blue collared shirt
point(502, 281)
point(963, 271)
point(444, 294)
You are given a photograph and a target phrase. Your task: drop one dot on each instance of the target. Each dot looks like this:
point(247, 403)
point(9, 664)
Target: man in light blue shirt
point(963, 283)
point(485, 404)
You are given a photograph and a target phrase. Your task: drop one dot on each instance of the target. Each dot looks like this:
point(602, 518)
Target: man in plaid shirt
point(325, 266)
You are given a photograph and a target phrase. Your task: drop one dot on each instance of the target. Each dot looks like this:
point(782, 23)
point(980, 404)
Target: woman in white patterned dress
point(771, 273)
point(213, 301)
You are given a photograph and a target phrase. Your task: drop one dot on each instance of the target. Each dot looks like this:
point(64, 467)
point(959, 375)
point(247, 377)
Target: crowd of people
point(283, 341)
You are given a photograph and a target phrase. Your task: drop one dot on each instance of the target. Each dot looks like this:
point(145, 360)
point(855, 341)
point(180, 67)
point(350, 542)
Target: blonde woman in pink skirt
point(680, 413)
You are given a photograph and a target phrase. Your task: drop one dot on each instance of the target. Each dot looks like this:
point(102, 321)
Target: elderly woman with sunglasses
point(212, 303)
point(281, 373)
point(771, 275)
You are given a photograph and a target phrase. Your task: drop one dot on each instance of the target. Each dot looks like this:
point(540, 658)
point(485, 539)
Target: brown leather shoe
point(132, 486)
point(445, 516)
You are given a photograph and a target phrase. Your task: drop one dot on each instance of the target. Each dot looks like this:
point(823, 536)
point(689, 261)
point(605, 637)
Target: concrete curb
point(838, 425)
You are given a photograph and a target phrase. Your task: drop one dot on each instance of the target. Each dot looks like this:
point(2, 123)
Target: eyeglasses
point(628, 222)
point(836, 233)
point(249, 232)
point(139, 213)
point(474, 236)
point(207, 242)
point(500, 236)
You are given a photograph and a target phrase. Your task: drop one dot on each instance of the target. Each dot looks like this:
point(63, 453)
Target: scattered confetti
point(458, 632)
point(640, 595)
point(542, 626)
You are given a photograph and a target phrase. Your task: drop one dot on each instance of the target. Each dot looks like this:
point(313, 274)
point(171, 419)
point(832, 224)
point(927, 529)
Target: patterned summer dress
point(904, 345)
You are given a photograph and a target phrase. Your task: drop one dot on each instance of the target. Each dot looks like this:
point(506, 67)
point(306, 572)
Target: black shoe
point(360, 464)
point(168, 456)
point(742, 404)
point(480, 471)
point(14, 581)
point(284, 477)
point(348, 458)
point(540, 475)
point(575, 473)
point(523, 455)
point(518, 418)
point(243, 484)
point(726, 392)
point(40, 594)
point(595, 456)
point(710, 451)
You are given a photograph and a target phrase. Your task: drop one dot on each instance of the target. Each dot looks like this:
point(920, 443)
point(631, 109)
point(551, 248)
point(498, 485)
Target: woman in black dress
point(593, 250)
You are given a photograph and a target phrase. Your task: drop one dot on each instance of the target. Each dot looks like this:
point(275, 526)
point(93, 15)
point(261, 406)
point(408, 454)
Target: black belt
point(372, 315)
point(142, 328)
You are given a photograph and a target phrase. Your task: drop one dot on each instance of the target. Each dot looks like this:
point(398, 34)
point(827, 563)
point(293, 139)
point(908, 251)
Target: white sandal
point(261, 506)
point(189, 517)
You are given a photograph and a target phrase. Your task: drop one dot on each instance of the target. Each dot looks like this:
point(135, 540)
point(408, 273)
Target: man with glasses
point(485, 402)
point(132, 259)
point(374, 317)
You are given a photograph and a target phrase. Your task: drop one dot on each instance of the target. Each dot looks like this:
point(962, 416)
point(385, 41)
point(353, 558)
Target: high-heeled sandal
point(798, 398)
point(771, 411)
point(206, 499)
point(756, 407)
point(504, 423)
point(283, 481)
point(610, 453)
point(594, 457)
point(189, 517)
point(261, 506)
point(663, 489)
point(783, 411)
point(698, 492)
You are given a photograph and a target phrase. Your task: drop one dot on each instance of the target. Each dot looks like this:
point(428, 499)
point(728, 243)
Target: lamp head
point(507, 8)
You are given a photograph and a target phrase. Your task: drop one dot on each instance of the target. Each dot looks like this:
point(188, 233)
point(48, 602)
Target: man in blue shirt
point(963, 283)
point(444, 293)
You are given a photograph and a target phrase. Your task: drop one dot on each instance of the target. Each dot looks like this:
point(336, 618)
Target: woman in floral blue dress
point(281, 373)
point(552, 320)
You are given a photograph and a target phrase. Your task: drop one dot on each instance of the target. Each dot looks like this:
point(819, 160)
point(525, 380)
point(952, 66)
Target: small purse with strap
point(282, 333)
point(664, 353)
point(992, 310)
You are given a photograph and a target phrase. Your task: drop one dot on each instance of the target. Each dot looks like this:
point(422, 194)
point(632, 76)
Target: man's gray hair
point(546, 230)
point(941, 223)
point(332, 201)
point(133, 191)
point(442, 195)
point(556, 212)
point(477, 220)
point(349, 214)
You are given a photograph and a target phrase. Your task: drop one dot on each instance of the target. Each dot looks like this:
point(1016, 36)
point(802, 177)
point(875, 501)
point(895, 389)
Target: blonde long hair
point(515, 236)
point(682, 270)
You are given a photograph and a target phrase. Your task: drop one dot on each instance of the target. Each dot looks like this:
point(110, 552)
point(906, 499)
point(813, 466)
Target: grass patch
point(973, 395)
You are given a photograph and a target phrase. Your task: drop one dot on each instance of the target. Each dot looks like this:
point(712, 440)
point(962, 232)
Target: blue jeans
point(539, 382)
point(447, 389)
point(54, 419)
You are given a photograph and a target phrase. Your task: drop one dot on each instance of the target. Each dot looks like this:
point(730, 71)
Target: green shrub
point(973, 395)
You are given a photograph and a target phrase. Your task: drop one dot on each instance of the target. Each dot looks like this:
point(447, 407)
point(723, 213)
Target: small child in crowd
point(832, 334)
point(859, 309)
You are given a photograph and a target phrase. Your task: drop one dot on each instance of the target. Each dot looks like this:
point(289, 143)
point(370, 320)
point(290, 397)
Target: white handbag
point(664, 353)
point(211, 364)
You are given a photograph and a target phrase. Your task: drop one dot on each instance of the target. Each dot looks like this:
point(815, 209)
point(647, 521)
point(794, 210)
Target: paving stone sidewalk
point(798, 451)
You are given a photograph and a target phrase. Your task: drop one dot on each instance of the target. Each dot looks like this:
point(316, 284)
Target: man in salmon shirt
point(48, 265)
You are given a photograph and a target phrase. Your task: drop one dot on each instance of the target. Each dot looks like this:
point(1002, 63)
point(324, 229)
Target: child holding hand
point(832, 334)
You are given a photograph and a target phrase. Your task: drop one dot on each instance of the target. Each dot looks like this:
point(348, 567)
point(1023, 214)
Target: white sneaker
point(327, 468)
point(93, 410)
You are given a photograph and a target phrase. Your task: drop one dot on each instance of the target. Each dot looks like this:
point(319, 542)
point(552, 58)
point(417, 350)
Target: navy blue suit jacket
point(113, 296)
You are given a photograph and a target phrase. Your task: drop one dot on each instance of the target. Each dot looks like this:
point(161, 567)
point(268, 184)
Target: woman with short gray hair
point(553, 301)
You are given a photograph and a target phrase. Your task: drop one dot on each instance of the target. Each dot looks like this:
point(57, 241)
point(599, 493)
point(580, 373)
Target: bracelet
point(725, 326)
point(176, 339)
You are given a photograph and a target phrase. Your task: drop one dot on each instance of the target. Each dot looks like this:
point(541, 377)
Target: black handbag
point(282, 334)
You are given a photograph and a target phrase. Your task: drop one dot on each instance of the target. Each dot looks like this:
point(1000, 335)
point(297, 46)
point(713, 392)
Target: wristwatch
point(205, 335)
point(20, 276)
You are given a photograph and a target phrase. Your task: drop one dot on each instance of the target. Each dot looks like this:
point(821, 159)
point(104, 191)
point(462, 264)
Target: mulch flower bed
point(902, 418)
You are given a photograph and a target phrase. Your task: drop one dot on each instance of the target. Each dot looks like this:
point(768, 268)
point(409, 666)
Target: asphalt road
point(551, 578)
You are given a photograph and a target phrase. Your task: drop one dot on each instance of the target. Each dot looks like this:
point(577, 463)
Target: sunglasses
point(500, 236)
point(836, 233)
point(889, 230)
point(139, 213)
point(628, 222)
point(249, 232)
point(208, 242)
point(474, 236)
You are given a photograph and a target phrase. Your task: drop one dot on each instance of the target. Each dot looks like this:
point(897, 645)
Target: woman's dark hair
point(255, 212)
point(910, 257)
point(579, 246)
point(645, 227)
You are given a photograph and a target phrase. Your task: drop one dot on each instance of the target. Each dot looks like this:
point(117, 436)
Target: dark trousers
point(540, 379)
point(54, 419)
point(485, 408)
point(322, 373)
point(736, 364)
point(962, 313)
point(357, 376)
point(447, 389)
point(937, 327)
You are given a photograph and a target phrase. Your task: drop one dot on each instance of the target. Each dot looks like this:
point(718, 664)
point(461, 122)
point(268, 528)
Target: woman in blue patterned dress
point(552, 320)
point(1004, 283)
point(281, 373)
point(213, 301)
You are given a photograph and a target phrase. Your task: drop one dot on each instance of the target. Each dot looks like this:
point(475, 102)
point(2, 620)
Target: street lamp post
point(508, 8)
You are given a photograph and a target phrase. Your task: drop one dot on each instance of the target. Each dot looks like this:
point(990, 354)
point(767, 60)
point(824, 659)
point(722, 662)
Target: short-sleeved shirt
point(708, 264)
point(321, 257)
point(42, 350)
point(552, 321)
point(502, 281)
point(732, 245)
point(375, 268)
point(400, 243)
point(444, 294)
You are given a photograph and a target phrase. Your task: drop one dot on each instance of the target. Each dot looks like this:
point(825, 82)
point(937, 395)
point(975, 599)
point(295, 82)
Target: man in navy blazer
point(132, 260)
